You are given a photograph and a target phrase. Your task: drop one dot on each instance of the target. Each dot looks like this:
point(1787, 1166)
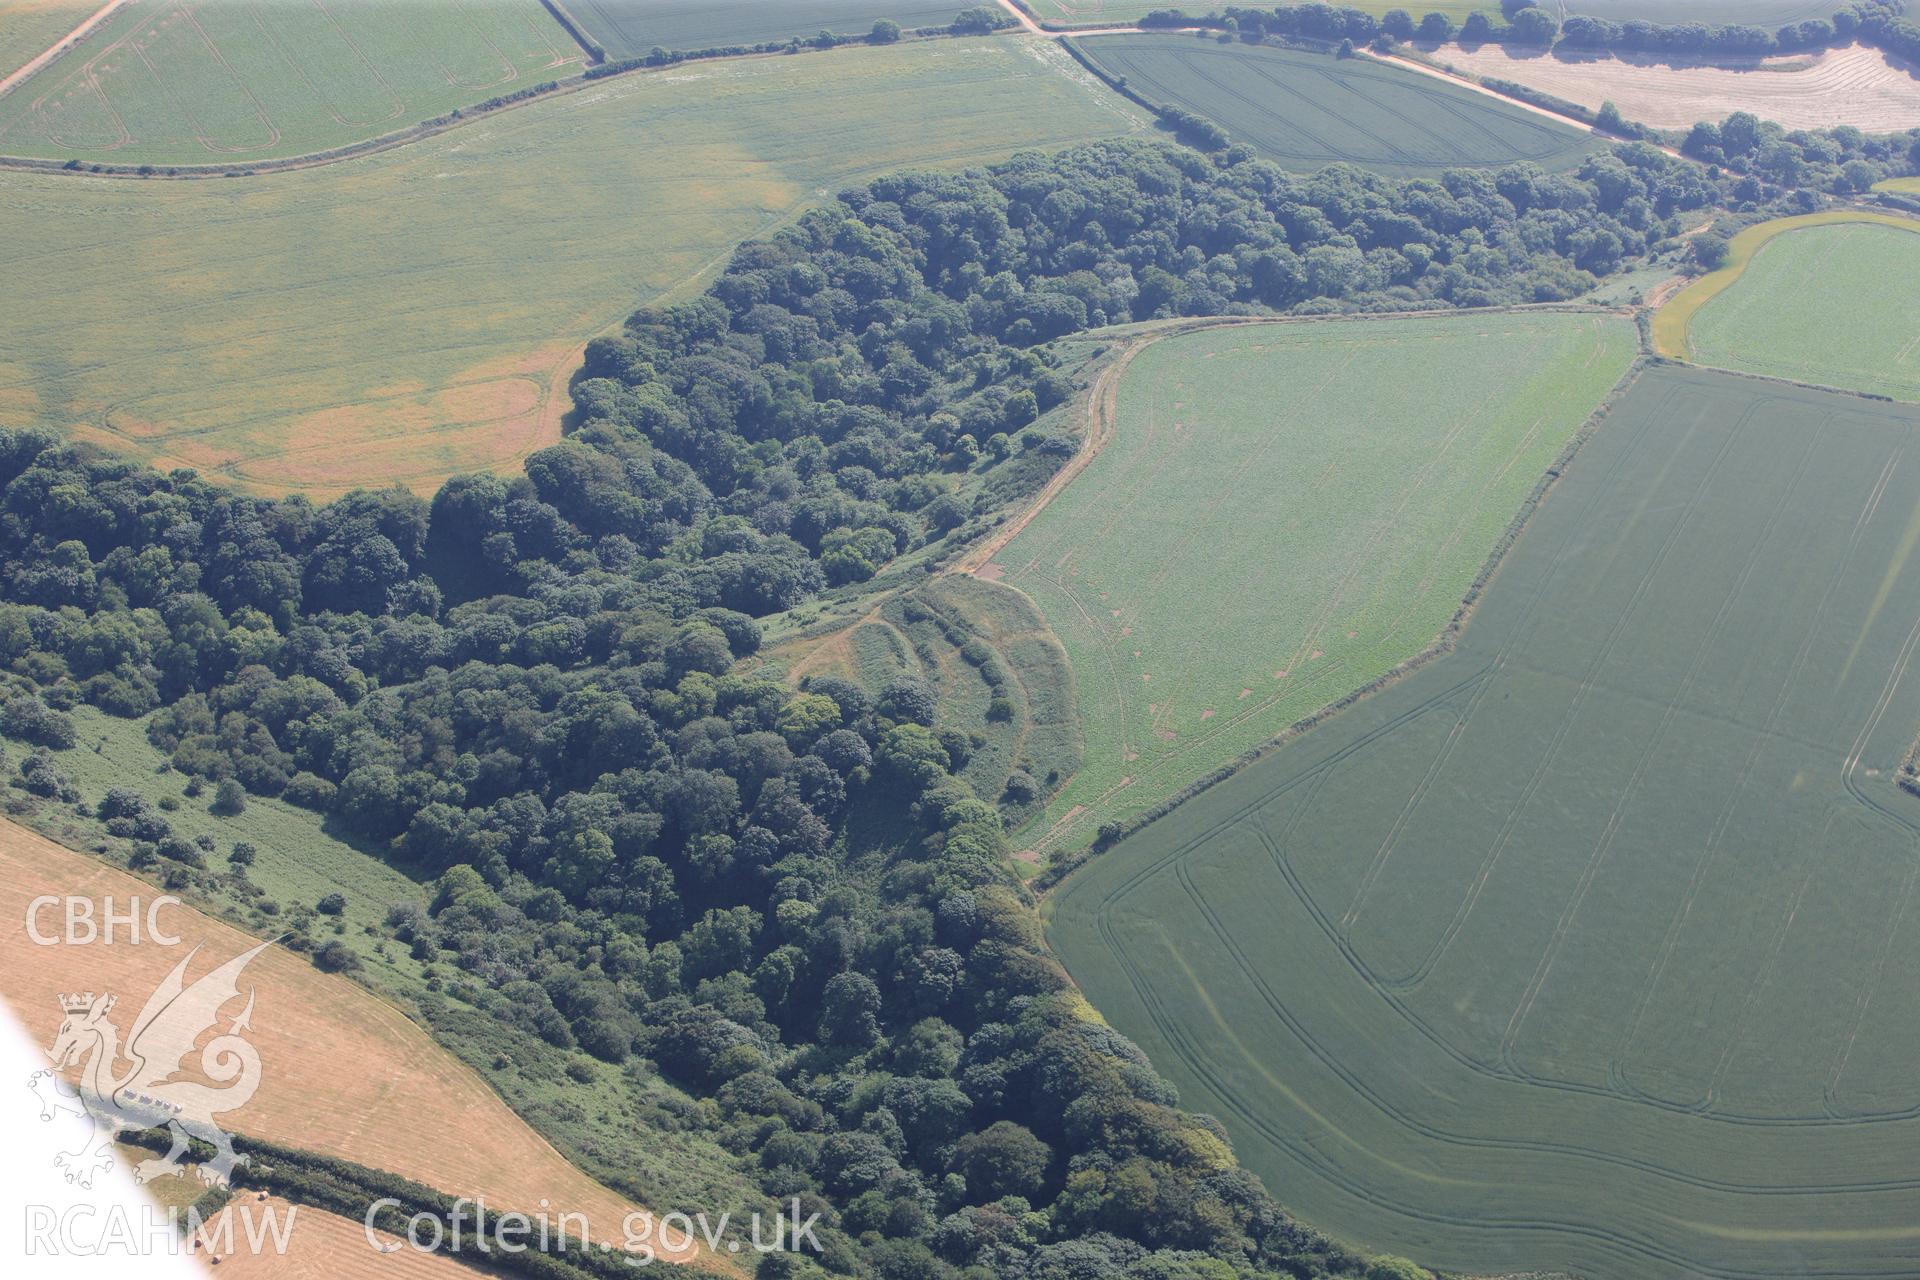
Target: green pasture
point(1833, 305)
point(172, 82)
point(629, 28)
point(30, 27)
point(1307, 110)
point(1590, 946)
point(1286, 512)
point(407, 315)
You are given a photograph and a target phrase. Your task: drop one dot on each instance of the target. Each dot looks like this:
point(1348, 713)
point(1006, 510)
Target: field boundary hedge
point(350, 1190)
point(1111, 834)
point(1526, 95)
point(1192, 128)
point(1672, 321)
point(595, 54)
point(595, 71)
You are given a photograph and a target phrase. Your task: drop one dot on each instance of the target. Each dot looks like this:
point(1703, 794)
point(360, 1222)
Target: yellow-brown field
point(343, 1073)
point(408, 315)
point(318, 1246)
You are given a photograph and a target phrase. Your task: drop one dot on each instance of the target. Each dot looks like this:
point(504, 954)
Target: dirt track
point(63, 44)
point(1101, 399)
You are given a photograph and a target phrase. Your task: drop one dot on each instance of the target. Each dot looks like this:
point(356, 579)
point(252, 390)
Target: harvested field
point(629, 28)
point(1308, 110)
point(223, 82)
point(1836, 305)
point(1590, 946)
point(320, 1246)
point(343, 1073)
point(1759, 13)
point(1854, 85)
point(425, 306)
point(1252, 545)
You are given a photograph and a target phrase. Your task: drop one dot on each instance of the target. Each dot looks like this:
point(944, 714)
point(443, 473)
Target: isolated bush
point(229, 798)
point(335, 956)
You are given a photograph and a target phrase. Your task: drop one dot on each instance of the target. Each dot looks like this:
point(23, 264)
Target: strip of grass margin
point(1671, 322)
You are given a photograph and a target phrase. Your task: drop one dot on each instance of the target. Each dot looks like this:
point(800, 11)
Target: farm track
point(62, 45)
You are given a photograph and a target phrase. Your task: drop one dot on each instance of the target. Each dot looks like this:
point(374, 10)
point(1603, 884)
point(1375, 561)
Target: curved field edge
point(1831, 306)
point(1176, 685)
point(1364, 1060)
point(999, 675)
point(382, 355)
point(1672, 320)
point(343, 1072)
point(223, 86)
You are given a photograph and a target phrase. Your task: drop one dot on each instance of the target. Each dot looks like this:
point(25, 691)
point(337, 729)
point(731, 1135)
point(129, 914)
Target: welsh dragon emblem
point(147, 1094)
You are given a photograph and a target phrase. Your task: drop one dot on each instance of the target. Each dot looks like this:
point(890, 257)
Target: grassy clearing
point(629, 28)
point(998, 672)
point(1838, 306)
point(343, 1073)
point(625, 1126)
point(1672, 323)
point(1586, 948)
point(1286, 512)
point(225, 82)
point(1308, 110)
point(1905, 186)
point(426, 304)
point(30, 27)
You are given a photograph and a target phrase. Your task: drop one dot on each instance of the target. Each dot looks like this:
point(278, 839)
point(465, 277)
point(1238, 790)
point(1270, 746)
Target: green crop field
point(223, 83)
point(1363, 470)
point(29, 27)
point(1834, 305)
point(628, 28)
point(1590, 946)
point(410, 314)
point(1308, 110)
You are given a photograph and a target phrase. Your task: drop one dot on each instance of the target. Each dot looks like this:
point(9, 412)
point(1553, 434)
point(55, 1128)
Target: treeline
point(527, 688)
point(1527, 22)
point(352, 1191)
point(979, 20)
point(1842, 161)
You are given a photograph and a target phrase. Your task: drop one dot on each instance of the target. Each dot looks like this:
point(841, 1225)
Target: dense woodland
point(526, 688)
